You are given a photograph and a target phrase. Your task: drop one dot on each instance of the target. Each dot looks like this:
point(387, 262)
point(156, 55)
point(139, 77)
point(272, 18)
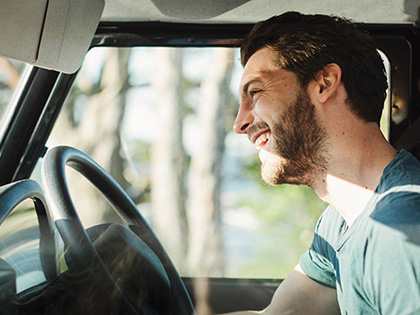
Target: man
point(312, 94)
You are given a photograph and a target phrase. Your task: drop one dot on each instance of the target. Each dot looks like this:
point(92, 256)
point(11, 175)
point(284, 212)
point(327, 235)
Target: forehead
point(261, 66)
point(260, 62)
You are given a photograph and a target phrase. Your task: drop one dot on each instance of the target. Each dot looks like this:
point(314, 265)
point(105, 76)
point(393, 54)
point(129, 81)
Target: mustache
point(254, 128)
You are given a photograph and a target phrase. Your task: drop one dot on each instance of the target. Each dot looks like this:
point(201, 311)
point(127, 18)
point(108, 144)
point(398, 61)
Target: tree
point(9, 79)
point(168, 157)
point(97, 133)
point(205, 255)
point(198, 236)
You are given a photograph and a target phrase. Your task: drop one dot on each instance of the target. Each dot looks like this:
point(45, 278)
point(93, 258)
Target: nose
point(244, 119)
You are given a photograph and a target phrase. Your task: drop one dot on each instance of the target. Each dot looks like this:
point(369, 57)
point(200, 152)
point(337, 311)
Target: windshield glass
point(19, 245)
point(160, 121)
point(10, 73)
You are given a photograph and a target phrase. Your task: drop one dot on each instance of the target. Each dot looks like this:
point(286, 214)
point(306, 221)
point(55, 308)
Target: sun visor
point(51, 34)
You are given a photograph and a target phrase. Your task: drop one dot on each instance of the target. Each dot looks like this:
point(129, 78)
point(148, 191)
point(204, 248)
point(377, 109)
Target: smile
point(262, 140)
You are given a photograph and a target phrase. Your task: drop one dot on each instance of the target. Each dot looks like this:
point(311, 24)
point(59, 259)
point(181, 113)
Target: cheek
point(268, 109)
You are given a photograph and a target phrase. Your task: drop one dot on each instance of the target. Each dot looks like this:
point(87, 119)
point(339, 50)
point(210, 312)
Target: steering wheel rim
point(11, 195)
point(69, 226)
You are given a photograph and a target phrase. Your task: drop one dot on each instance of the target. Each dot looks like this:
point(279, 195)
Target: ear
point(327, 82)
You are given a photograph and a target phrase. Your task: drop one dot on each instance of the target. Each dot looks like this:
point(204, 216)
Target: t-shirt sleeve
point(318, 262)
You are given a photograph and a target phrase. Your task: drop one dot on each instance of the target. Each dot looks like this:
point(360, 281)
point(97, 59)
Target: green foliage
point(287, 215)
point(279, 202)
point(283, 202)
point(141, 151)
point(137, 170)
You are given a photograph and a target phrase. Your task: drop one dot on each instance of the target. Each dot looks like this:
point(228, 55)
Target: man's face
point(278, 117)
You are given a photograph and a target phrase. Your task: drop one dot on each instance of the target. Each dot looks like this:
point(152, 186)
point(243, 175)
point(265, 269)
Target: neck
point(353, 175)
point(348, 198)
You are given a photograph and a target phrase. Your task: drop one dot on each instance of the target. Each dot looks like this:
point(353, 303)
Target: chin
point(268, 178)
point(272, 171)
point(277, 171)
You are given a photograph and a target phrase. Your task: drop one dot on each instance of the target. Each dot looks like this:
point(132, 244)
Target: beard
point(299, 146)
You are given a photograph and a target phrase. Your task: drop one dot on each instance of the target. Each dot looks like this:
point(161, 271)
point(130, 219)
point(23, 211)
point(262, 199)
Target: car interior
point(123, 189)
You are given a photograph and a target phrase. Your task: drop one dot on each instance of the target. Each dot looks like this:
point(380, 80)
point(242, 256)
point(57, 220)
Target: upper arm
point(298, 294)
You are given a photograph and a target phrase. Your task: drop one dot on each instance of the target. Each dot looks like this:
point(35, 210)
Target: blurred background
point(160, 121)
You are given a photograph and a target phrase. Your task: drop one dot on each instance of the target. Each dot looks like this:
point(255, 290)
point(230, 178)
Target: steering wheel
point(11, 195)
point(77, 242)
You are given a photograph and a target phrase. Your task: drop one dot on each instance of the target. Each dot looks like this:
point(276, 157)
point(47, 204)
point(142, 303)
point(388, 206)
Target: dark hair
point(305, 44)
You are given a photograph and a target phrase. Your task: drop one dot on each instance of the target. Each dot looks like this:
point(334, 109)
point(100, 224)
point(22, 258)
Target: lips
point(261, 139)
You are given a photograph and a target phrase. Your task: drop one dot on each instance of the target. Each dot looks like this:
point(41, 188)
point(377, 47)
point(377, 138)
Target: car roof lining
point(251, 11)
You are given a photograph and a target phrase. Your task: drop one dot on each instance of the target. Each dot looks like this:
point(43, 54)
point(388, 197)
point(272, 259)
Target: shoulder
point(329, 227)
point(392, 231)
point(398, 205)
point(395, 217)
point(330, 217)
point(398, 194)
point(403, 170)
point(318, 262)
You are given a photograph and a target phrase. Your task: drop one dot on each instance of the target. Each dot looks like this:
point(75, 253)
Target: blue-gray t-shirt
point(375, 264)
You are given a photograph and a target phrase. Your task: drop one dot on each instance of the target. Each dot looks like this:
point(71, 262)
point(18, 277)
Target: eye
point(254, 92)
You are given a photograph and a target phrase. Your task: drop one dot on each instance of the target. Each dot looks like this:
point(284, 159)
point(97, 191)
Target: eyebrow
point(246, 85)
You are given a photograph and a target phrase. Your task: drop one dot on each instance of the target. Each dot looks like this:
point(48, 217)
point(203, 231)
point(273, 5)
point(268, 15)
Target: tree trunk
point(10, 74)
point(168, 157)
point(99, 134)
point(205, 255)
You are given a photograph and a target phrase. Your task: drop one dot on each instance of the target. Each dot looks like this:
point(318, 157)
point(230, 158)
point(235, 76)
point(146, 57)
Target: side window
point(160, 121)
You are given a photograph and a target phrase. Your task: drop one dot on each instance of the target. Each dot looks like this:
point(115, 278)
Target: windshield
point(10, 74)
point(160, 121)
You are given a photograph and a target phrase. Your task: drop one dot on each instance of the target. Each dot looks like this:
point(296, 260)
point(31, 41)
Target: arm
point(298, 294)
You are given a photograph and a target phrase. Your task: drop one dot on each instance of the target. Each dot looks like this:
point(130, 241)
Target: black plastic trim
point(128, 34)
point(29, 107)
point(43, 129)
point(169, 34)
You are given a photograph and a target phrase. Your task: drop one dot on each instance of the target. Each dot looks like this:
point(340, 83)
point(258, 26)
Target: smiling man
point(312, 94)
point(276, 127)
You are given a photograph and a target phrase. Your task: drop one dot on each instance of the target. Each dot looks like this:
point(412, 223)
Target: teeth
point(262, 140)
